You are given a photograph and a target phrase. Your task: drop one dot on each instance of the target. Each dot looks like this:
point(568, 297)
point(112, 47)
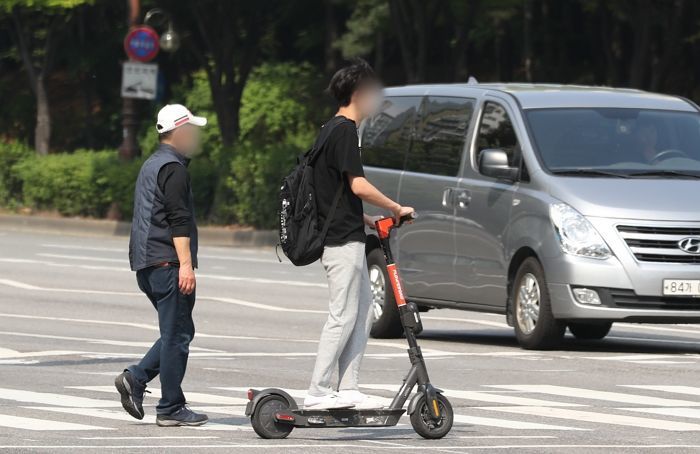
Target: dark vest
point(151, 241)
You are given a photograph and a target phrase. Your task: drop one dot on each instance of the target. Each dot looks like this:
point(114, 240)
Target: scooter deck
point(341, 417)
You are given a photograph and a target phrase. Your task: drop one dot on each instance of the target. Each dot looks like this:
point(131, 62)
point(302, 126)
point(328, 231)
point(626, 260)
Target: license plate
point(682, 287)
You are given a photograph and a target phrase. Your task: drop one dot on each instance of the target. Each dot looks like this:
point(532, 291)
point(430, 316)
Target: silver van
point(556, 206)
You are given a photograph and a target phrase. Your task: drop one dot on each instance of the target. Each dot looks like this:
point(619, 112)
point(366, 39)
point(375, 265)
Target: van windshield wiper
point(664, 173)
point(589, 173)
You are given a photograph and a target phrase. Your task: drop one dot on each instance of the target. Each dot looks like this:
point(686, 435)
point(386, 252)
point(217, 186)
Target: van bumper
point(623, 305)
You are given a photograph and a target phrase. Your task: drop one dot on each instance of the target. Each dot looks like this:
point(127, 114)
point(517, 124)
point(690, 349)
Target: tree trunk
point(331, 54)
point(527, 39)
point(642, 40)
point(42, 132)
point(396, 11)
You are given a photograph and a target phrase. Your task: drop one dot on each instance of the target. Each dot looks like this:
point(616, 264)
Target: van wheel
point(387, 323)
point(590, 331)
point(535, 326)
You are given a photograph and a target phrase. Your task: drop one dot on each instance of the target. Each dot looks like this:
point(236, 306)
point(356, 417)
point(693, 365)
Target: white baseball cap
point(175, 115)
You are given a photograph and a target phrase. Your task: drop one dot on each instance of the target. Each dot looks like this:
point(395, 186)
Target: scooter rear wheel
point(263, 419)
point(425, 425)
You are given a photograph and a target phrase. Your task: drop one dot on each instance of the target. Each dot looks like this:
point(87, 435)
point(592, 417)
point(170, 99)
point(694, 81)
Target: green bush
point(83, 183)
point(256, 175)
point(11, 153)
point(279, 111)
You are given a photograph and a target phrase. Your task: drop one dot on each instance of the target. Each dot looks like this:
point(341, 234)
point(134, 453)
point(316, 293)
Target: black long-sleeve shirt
point(174, 182)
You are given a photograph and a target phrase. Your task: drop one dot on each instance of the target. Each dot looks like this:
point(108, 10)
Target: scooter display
point(274, 413)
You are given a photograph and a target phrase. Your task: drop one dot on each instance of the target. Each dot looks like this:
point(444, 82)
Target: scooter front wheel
point(263, 419)
point(425, 425)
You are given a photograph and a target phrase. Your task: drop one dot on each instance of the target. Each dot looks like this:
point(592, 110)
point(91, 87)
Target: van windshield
point(610, 142)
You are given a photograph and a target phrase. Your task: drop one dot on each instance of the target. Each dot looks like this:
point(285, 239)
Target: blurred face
point(368, 99)
point(187, 140)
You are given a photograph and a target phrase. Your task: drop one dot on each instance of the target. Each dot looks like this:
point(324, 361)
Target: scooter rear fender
point(258, 395)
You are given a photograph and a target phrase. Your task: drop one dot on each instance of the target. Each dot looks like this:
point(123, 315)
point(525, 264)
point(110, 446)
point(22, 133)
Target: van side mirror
point(494, 163)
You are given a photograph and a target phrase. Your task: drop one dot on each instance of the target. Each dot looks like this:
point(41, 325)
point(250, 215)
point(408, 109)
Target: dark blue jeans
point(168, 355)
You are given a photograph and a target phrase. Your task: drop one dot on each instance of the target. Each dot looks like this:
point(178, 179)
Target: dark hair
point(165, 135)
point(349, 79)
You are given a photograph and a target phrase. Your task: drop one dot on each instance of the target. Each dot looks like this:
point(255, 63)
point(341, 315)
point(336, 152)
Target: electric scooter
point(274, 413)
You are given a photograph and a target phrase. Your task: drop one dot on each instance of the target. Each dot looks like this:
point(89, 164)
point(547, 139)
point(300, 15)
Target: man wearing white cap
point(163, 252)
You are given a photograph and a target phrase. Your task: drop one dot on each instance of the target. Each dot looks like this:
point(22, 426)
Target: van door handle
point(464, 198)
point(447, 198)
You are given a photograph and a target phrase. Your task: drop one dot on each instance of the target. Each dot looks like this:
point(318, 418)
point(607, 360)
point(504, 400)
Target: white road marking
point(88, 340)
point(146, 437)
point(468, 320)
point(636, 357)
point(201, 398)
point(79, 257)
point(599, 395)
point(484, 397)
point(84, 248)
point(677, 412)
point(19, 422)
point(691, 390)
point(505, 399)
point(75, 247)
point(98, 413)
point(60, 400)
point(509, 424)
point(360, 445)
point(7, 353)
point(597, 418)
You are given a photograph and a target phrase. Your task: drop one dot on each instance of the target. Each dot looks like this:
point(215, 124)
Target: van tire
point(388, 325)
point(590, 331)
point(544, 331)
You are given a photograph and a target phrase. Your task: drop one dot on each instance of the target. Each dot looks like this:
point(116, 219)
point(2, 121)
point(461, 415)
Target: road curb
point(213, 236)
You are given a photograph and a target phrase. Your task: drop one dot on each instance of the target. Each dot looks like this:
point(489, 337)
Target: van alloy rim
point(378, 287)
point(528, 303)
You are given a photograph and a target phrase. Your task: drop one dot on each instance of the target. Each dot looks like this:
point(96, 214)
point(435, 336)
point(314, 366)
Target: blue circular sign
point(142, 44)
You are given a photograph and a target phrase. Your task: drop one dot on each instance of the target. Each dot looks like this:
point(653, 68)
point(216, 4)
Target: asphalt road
point(71, 317)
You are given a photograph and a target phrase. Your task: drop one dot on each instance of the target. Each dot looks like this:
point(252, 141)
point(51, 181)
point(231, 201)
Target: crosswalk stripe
point(678, 412)
point(486, 397)
point(149, 419)
point(464, 419)
point(98, 413)
point(691, 390)
point(598, 418)
point(19, 422)
point(508, 424)
point(599, 395)
point(61, 400)
point(201, 398)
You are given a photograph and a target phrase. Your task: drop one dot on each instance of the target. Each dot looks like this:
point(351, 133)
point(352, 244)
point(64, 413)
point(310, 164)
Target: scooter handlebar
point(410, 217)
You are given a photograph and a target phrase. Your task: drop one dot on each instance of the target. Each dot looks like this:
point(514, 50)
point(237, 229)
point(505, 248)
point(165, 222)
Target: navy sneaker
point(132, 394)
point(183, 417)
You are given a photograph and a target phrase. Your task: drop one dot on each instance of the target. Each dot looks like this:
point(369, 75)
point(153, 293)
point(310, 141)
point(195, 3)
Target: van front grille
point(659, 243)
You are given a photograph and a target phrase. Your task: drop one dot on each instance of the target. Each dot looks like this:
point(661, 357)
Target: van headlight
point(577, 235)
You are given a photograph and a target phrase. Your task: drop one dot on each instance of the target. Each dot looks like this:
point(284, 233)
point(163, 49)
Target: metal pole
point(128, 150)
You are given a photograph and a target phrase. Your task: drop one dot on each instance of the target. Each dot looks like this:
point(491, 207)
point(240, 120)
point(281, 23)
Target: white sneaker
point(326, 402)
point(360, 400)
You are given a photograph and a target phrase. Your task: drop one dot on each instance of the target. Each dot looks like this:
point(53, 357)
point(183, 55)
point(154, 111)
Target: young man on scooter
point(357, 90)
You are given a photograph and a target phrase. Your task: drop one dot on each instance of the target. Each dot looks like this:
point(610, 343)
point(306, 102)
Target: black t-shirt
point(338, 158)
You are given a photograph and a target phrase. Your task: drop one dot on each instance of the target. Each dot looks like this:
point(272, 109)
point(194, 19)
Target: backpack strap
point(331, 212)
point(339, 192)
point(323, 137)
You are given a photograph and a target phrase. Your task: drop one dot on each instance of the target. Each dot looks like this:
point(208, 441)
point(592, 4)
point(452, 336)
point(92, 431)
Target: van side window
point(442, 135)
point(496, 131)
point(386, 137)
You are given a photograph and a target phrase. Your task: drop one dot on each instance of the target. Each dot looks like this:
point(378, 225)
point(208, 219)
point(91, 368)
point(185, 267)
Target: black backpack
point(301, 235)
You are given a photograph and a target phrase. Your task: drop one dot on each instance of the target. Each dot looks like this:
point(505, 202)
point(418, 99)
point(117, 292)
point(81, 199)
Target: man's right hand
point(400, 212)
point(186, 280)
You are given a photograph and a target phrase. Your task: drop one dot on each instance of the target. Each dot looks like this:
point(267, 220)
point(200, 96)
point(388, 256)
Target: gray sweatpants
point(346, 331)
